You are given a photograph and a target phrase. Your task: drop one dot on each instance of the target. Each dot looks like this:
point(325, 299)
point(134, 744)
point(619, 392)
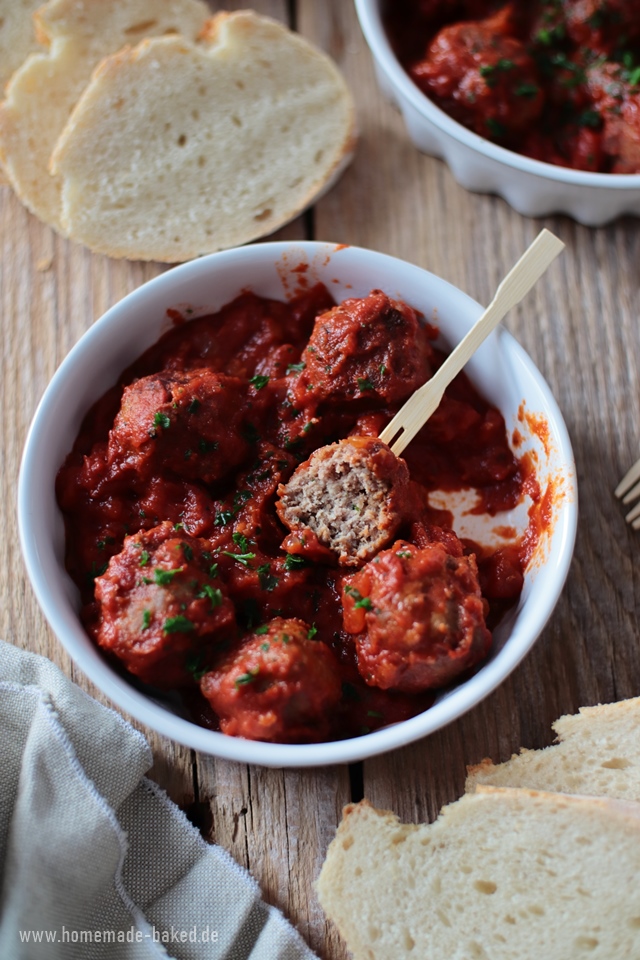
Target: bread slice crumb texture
point(177, 149)
point(598, 754)
point(43, 91)
point(17, 35)
point(502, 874)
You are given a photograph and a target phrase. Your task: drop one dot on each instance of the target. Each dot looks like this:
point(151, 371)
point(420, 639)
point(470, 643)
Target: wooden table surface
point(581, 327)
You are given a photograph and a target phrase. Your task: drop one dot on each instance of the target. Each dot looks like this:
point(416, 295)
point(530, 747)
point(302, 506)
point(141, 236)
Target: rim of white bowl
point(67, 627)
point(372, 27)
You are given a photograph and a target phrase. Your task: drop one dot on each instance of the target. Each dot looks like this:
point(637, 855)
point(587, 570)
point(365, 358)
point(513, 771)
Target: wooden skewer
point(426, 399)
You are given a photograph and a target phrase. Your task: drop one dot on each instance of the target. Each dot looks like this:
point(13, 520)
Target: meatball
point(190, 423)
point(602, 25)
point(370, 349)
point(345, 502)
point(418, 616)
point(617, 104)
point(482, 78)
point(279, 686)
point(162, 610)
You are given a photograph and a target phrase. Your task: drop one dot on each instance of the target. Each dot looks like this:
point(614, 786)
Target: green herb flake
point(146, 619)
point(267, 581)
point(243, 558)
point(261, 630)
point(364, 383)
point(161, 420)
point(241, 541)
point(265, 646)
point(295, 368)
point(178, 526)
point(382, 369)
point(495, 128)
point(187, 550)
point(165, 577)
point(405, 554)
point(312, 631)
point(361, 603)
point(207, 446)
point(194, 405)
point(286, 639)
point(589, 118)
point(294, 562)
point(527, 90)
point(249, 677)
point(194, 663)
point(211, 593)
point(179, 624)
point(259, 381)
point(144, 558)
point(222, 518)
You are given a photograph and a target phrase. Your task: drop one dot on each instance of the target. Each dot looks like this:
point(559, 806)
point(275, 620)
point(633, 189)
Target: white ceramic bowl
point(501, 370)
point(532, 187)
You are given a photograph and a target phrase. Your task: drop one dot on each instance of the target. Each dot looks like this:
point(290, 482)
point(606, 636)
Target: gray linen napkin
point(95, 860)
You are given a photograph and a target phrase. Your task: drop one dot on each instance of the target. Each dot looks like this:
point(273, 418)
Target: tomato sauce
point(556, 80)
point(173, 539)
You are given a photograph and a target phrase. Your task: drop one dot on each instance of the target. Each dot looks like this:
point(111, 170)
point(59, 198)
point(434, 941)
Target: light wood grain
point(580, 325)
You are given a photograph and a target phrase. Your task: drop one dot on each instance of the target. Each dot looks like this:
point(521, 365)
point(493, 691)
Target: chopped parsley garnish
point(241, 541)
point(294, 562)
point(527, 90)
point(259, 381)
point(295, 368)
point(178, 526)
point(267, 581)
point(164, 577)
point(249, 677)
point(404, 553)
point(97, 571)
point(179, 624)
point(146, 619)
point(265, 646)
point(144, 558)
point(187, 550)
point(194, 405)
point(161, 420)
point(312, 631)
point(194, 663)
point(207, 446)
point(222, 518)
point(286, 638)
point(243, 558)
point(241, 497)
point(213, 570)
point(364, 383)
point(495, 128)
point(211, 593)
point(589, 118)
point(263, 629)
point(382, 369)
point(363, 603)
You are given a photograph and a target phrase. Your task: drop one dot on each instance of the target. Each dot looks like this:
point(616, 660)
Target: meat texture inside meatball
point(345, 502)
point(418, 616)
point(162, 608)
point(281, 685)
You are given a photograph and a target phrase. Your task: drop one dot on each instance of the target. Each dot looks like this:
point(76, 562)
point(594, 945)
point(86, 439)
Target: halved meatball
point(418, 616)
point(345, 502)
point(279, 686)
point(190, 423)
point(162, 610)
point(371, 349)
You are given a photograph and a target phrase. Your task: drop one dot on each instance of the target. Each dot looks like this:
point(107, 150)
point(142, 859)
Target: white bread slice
point(43, 91)
point(501, 875)
point(17, 35)
point(598, 754)
point(177, 149)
